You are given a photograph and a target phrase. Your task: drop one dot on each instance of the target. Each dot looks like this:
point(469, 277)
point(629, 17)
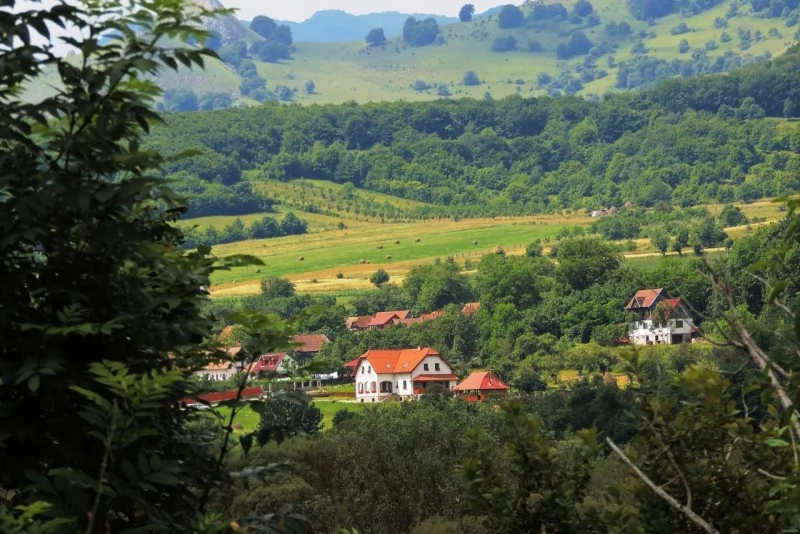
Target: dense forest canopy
point(685, 141)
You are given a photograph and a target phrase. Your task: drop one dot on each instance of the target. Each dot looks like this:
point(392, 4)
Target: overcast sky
point(300, 10)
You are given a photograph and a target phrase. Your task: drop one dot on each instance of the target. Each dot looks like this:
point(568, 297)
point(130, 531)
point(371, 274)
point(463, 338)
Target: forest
point(105, 318)
point(684, 142)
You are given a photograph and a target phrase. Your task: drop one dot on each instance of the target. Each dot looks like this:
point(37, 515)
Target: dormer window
point(425, 366)
point(436, 366)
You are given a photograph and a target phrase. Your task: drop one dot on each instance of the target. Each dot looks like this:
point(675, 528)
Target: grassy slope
point(352, 71)
point(327, 250)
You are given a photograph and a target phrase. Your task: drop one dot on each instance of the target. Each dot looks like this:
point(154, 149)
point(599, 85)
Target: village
point(400, 374)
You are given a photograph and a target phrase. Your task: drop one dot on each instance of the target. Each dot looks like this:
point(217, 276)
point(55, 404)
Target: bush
point(470, 78)
point(504, 44)
point(511, 17)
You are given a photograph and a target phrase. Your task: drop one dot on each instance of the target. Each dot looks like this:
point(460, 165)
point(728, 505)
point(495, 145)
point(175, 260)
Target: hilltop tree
point(651, 9)
point(376, 37)
point(420, 32)
point(470, 78)
point(466, 13)
point(274, 287)
point(311, 87)
point(660, 240)
point(511, 17)
point(263, 26)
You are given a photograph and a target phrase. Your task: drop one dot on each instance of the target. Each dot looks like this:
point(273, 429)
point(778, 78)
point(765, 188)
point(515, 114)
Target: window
point(679, 323)
point(425, 366)
point(436, 366)
point(374, 387)
point(405, 385)
point(369, 368)
point(362, 370)
point(360, 387)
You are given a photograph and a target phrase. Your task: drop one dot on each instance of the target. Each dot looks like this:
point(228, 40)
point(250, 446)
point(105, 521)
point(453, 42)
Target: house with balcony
point(660, 319)
point(404, 373)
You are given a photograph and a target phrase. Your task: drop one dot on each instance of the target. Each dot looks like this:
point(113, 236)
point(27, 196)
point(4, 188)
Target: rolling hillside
point(354, 71)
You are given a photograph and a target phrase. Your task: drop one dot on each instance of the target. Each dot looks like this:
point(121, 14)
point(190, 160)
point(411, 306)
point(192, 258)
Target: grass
point(327, 250)
point(247, 420)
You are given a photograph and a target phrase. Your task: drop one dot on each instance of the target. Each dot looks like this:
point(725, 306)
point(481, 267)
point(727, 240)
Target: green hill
point(354, 71)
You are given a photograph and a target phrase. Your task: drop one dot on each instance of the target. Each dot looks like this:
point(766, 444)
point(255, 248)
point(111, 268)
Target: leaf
point(773, 442)
point(33, 383)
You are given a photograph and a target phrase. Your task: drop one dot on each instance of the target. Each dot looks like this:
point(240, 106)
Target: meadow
point(339, 261)
point(247, 420)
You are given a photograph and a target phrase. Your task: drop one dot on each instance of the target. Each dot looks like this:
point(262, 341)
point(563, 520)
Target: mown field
point(314, 260)
point(247, 420)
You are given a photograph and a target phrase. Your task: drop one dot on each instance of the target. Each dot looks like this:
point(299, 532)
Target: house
point(480, 384)
point(273, 362)
point(385, 319)
point(357, 324)
point(222, 370)
point(405, 373)
point(660, 320)
point(221, 396)
point(308, 345)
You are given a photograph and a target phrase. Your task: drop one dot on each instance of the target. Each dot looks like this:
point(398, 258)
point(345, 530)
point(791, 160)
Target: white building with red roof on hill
point(402, 372)
point(480, 384)
point(660, 319)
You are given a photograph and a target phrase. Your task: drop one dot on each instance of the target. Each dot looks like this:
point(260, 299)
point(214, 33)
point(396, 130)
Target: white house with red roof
point(272, 362)
point(402, 372)
point(660, 319)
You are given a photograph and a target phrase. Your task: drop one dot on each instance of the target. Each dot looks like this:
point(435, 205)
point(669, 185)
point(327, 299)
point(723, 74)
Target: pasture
point(364, 246)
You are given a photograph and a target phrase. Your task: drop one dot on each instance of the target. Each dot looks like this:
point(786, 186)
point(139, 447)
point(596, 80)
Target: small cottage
point(481, 384)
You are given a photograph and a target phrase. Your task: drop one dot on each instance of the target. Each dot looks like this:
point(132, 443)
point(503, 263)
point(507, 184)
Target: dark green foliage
point(466, 12)
point(433, 286)
point(586, 261)
point(180, 100)
point(283, 417)
point(379, 277)
point(651, 9)
point(577, 45)
point(376, 37)
point(731, 216)
point(264, 26)
point(504, 44)
point(583, 8)
point(420, 32)
point(211, 101)
point(470, 78)
point(541, 11)
point(276, 287)
point(511, 17)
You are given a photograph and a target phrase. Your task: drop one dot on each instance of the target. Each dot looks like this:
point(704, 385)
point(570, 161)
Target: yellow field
point(365, 246)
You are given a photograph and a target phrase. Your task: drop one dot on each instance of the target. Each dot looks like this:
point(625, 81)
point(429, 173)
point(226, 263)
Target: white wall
point(642, 332)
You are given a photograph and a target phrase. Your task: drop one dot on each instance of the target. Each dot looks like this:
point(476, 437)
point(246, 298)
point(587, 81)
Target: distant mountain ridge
point(335, 25)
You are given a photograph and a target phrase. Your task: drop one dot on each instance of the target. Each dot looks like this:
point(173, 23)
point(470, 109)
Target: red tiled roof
point(481, 381)
point(353, 363)
point(384, 318)
point(224, 395)
point(218, 366)
point(644, 298)
point(470, 308)
point(397, 361)
point(358, 322)
point(310, 342)
point(433, 378)
point(267, 363)
point(432, 315)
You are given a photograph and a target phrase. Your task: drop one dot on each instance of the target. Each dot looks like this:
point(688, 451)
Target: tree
point(466, 13)
point(510, 17)
point(683, 46)
point(265, 228)
point(583, 8)
point(376, 37)
point(273, 287)
point(283, 417)
point(420, 32)
point(534, 250)
point(379, 277)
point(789, 109)
point(586, 261)
point(180, 100)
point(263, 26)
point(470, 78)
point(293, 225)
point(660, 240)
point(311, 87)
point(94, 367)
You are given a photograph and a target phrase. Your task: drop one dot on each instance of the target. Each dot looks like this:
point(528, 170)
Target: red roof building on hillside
point(480, 384)
point(272, 362)
point(401, 372)
point(388, 318)
point(470, 308)
point(356, 324)
point(660, 319)
point(308, 345)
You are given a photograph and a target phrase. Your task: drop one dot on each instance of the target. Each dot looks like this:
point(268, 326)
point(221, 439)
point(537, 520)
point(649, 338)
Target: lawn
point(247, 420)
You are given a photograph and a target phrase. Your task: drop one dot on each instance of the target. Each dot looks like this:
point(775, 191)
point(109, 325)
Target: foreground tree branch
point(669, 499)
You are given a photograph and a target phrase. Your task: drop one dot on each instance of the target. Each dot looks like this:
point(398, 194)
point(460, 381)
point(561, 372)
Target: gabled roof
point(310, 342)
point(482, 380)
point(358, 322)
point(397, 360)
point(644, 298)
point(384, 318)
point(267, 363)
point(218, 366)
point(470, 308)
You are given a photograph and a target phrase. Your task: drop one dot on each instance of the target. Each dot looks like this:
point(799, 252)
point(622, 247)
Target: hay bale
point(475, 242)
point(397, 242)
point(380, 247)
point(301, 258)
point(388, 257)
point(258, 270)
point(416, 240)
point(362, 261)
